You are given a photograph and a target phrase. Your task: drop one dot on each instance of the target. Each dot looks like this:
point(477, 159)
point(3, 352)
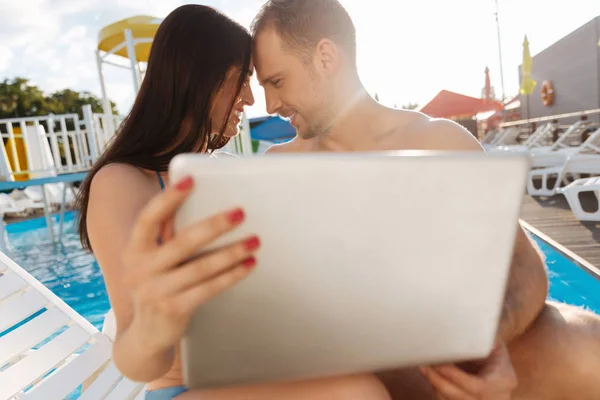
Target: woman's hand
point(167, 282)
point(496, 380)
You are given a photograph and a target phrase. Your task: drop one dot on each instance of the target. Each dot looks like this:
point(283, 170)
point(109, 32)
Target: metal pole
point(132, 59)
point(47, 214)
point(105, 101)
point(108, 125)
point(245, 136)
point(500, 53)
point(62, 210)
point(88, 118)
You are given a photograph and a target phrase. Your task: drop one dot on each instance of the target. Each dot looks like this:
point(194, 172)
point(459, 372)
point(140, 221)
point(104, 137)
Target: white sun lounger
point(537, 144)
point(503, 138)
point(54, 193)
point(573, 167)
point(9, 206)
point(490, 137)
point(572, 192)
point(532, 143)
point(78, 353)
point(560, 165)
point(562, 150)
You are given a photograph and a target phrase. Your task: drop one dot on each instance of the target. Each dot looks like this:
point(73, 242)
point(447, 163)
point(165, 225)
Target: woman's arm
point(155, 287)
point(117, 195)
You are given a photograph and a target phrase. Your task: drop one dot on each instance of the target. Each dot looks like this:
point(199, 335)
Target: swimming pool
point(74, 275)
point(65, 268)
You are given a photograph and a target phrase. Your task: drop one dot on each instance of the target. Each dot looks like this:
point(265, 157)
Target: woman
point(195, 89)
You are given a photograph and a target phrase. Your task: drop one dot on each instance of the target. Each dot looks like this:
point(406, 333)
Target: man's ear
point(327, 57)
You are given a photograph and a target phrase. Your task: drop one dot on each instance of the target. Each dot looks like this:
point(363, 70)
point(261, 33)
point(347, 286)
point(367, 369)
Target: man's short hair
point(303, 23)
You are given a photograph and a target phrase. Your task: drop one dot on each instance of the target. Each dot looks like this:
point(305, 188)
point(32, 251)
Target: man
point(305, 59)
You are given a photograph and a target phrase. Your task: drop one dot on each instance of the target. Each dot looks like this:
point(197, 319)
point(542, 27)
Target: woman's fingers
point(189, 300)
point(444, 388)
point(188, 242)
point(158, 210)
point(208, 266)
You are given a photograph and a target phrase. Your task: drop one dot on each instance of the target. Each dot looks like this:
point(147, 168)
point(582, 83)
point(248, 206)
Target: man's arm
point(528, 282)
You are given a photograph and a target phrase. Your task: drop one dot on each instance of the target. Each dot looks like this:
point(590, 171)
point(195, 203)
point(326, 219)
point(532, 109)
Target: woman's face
point(223, 101)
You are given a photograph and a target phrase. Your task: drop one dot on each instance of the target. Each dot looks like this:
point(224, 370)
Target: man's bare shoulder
point(294, 145)
point(426, 133)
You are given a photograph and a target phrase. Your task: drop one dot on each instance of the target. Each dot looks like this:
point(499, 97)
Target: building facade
point(572, 67)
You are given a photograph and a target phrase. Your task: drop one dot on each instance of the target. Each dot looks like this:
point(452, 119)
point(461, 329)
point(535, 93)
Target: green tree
point(70, 102)
point(410, 106)
point(20, 98)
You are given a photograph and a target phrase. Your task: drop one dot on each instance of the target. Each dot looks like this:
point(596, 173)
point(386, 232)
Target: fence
point(38, 147)
point(580, 114)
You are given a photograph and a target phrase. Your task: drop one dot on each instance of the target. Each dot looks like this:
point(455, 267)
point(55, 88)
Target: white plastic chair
point(53, 353)
point(572, 192)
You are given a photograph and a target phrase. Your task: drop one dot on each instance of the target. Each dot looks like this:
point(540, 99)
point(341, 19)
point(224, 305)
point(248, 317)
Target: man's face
point(293, 87)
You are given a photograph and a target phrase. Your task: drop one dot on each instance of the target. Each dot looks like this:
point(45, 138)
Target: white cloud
point(57, 82)
point(6, 56)
point(122, 94)
point(24, 22)
point(405, 53)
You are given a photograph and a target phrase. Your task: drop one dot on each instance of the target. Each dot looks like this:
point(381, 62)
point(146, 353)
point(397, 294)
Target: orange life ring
point(547, 94)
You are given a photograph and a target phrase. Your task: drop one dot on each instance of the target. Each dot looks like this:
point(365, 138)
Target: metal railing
point(104, 128)
point(550, 118)
point(43, 146)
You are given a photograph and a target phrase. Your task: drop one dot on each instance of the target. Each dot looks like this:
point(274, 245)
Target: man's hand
point(496, 380)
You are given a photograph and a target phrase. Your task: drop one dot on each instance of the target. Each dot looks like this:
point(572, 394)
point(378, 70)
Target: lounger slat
point(55, 369)
point(103, 384)
point(125, 390)
point(10, 284)
point(33, 367)
point(20, 307)
point(65, 381)
point(37, 286)
point(30, 334)
point(141, 395)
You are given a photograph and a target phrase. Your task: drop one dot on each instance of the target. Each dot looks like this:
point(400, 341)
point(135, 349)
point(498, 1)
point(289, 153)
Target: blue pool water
point(75, 276)
point(65, 268)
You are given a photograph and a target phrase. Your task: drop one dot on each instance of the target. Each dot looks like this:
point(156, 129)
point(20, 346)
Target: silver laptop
point(369, 262)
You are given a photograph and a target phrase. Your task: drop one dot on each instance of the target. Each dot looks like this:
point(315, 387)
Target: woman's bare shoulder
point(121, 180)
point(120, 190)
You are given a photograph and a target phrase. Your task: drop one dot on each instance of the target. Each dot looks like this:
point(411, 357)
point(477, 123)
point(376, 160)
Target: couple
point(195, 89)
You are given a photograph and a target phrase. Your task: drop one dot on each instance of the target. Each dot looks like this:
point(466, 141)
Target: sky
point(407, 51)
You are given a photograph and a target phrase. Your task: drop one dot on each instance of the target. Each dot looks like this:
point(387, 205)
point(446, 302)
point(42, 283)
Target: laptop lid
point(368, 262)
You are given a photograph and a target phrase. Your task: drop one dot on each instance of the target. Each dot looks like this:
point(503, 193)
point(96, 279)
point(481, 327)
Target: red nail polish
point(253, 243)
point(185, 183)
point(236, 216)
point(249, 263)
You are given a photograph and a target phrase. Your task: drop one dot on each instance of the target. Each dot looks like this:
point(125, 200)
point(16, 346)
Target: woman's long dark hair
point(192, 53)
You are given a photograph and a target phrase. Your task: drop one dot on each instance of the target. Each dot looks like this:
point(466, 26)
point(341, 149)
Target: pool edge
point(580, 261)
